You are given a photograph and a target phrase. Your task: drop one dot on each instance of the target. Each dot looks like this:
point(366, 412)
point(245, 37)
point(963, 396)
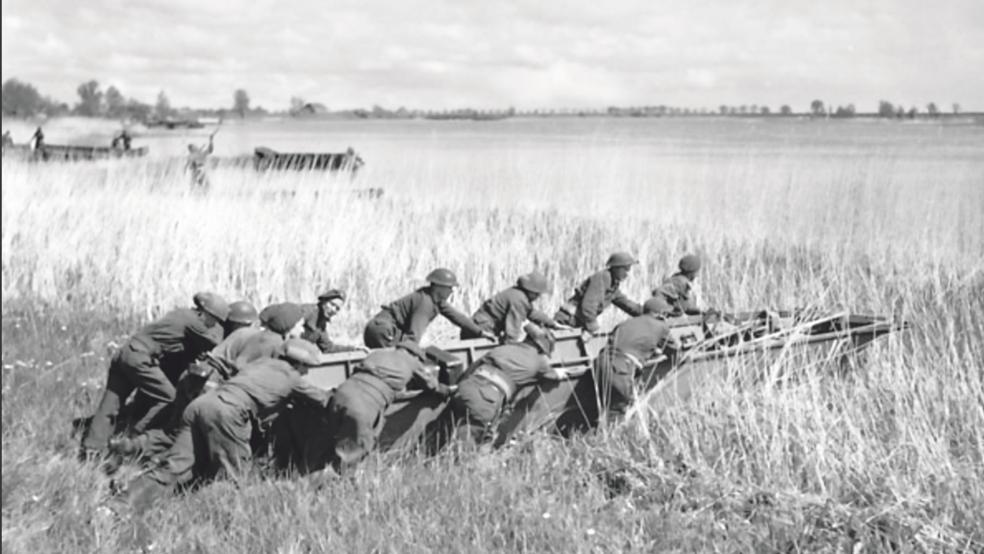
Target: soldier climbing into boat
point(408, 317)
point(678, 289)
point(505, 313)
point(596, 293)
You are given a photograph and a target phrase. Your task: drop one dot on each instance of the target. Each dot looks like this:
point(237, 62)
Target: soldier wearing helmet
point(634, 343)
point(356, 413)
point(678, 289)
point(151, 362)
point(214, 436)
point(241, 314)
point(406, 319)
point(491, 384)
point(597, 292)
point(244, 346)
point(505, 313)
point(316, 319)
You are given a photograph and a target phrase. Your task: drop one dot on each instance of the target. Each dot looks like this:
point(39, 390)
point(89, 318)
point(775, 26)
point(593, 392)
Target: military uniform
point(591, 298)
point(242, 347)
point(489, 387)
point(678, 291)
point(504, 315)
point(408, 318)
point(356, 413)
point(150, 362)
point(217, 426)
point(197, 158)
point(632, 343)
point(316, 331)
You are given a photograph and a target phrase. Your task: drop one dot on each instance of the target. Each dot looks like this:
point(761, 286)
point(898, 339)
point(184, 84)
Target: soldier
point(596, 293)
point(632, 343)
point(356, 413)
point(678, 288)
point(121, 141)
point(489, 387)
point(505, 313)
point(241, 314)
point(407, 318)
point(151, 362)
point(7, 139)
point(239, 349)
point(37, 139)
point(197, 158)
point(216, 427)
point(317, 318)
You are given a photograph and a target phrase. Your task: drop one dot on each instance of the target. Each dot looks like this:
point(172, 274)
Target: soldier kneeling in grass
point(214, 439)
point(492, 383)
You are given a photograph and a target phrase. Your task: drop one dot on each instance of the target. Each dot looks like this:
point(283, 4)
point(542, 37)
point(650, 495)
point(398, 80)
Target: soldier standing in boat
point(197, 158)
point(596, 293)
point(37, 139)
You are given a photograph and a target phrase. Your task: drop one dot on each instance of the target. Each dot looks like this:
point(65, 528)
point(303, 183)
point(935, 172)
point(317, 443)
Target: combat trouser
point(478, 404)
point(615, 379)
point(356, 414)
point(381, 332)
point(133, 367)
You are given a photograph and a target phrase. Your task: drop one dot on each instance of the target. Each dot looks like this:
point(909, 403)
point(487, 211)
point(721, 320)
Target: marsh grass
point(889, 454)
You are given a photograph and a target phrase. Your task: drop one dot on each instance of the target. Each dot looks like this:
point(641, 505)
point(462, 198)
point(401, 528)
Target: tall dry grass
point(889, 455)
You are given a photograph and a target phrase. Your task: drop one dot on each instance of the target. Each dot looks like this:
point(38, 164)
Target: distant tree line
point(21, 99)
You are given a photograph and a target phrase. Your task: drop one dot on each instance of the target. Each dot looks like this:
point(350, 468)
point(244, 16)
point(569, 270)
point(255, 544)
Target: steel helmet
point(541, 338)
point(690, 264)
point(242, 312)
point(621, 259)
point(212, 304)
point(443, 277)
point(534, 282)
point(657, 305)
point(331, 294)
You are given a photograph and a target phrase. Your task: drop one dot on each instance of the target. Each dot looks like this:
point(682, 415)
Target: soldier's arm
point(626, 305)
point(514, 322)
point(459, 318)
point(540, 318)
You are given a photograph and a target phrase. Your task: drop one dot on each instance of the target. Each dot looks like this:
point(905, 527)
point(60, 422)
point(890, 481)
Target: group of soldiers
point(189, 432)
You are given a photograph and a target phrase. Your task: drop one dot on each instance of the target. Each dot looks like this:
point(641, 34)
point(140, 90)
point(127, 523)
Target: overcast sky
point(498, 53)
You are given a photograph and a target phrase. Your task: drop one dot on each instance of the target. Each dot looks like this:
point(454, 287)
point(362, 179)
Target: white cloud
point(423, 53)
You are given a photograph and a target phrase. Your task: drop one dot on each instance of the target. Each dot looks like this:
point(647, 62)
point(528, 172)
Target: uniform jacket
point(316, 332)
point(414, 312)
point(520, 363)
point(504, 314)
point(678, 291)
point(269, 384)
point(595, 294)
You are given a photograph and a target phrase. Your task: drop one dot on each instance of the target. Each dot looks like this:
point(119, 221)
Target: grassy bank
point(893, 454)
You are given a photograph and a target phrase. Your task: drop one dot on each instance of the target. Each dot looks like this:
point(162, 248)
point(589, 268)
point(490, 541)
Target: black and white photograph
point(427, 276)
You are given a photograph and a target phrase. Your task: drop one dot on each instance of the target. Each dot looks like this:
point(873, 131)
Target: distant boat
point(58, 152)
point(170, 123)
point(266, 159)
